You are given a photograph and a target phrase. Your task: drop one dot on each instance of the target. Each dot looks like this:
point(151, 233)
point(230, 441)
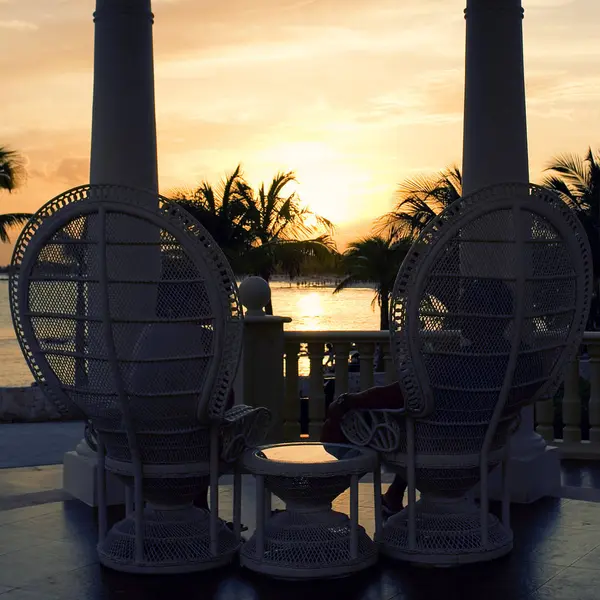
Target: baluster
point(571, 404)
point(544, 415)
point(594, 411)
point(366, 352)
point(316, 400)
point(342, 352)
point(388, 361)
point(291, 407)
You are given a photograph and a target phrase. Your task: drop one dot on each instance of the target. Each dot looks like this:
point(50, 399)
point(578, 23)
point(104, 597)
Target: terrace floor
point(47, 552)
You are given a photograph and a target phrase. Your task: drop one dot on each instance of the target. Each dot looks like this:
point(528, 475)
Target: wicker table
point(309, 540)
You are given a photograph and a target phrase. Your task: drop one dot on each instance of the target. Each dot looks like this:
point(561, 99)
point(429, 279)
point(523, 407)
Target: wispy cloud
point(354, 95)
point(18, 25)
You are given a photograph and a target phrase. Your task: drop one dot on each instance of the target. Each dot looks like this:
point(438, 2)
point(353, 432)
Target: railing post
point(366, 352)
point(342, 351)
point(544, 415)
point(388, 361)
point(316, 406)
point(291, 407)
point(262, 358)
point(594, 406)
point(571, 405)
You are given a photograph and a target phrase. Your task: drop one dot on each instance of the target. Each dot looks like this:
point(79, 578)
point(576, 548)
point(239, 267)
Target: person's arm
point(380, 397)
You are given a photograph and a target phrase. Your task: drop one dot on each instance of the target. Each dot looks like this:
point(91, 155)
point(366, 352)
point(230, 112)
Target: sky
point(352, 95)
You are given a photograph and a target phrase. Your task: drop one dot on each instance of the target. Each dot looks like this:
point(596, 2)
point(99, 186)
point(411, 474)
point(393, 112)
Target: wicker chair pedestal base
point(301, 546)
point(174, 541)
point(309, 540)
point(448, 533)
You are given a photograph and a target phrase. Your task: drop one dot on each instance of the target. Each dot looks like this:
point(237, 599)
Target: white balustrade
point(291, 406)
point(344, 381)
point(571, 405)
point(594, 406)
point(279, 373)
point(566, 434)
point(570, 434)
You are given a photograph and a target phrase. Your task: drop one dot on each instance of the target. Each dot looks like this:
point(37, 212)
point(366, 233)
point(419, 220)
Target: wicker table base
point(309, 540)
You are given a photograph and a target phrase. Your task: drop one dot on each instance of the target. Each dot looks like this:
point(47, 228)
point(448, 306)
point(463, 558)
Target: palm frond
point(11, 220)
point(12, 169)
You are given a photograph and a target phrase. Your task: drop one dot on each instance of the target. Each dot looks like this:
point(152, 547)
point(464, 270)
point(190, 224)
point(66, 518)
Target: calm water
point(309, 308)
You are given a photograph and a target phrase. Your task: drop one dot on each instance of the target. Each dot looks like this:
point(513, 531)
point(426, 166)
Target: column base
point(530, 478)
point(80, 480)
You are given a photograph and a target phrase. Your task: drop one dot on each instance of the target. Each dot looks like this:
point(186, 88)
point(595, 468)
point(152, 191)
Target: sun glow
point(330, 184)
point(309, 306)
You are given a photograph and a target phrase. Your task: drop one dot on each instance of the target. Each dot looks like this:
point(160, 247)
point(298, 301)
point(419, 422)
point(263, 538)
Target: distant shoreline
point(313, 281)
point(302, 281)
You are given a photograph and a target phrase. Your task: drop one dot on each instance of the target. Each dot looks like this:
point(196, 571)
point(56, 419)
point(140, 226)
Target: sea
point(311, 305)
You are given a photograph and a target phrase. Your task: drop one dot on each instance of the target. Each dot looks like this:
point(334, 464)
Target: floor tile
point(572, 584)
point(506, 578)
point(49, 552)
point(22, 594)
point(563, 547)
point(590, 561)
point(95, 582)
point(21, 567)
point(28, 512)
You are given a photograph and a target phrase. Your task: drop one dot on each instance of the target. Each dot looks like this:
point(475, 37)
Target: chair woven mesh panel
point(308, 540)
point(295, 488)
point(313, 541)
point(126, 308)
point(488, 307)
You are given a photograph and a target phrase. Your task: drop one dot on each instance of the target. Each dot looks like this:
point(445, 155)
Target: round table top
point(309, 458)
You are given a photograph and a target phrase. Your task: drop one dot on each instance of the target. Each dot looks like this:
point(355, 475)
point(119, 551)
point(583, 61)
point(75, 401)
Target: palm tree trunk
point(384, 310)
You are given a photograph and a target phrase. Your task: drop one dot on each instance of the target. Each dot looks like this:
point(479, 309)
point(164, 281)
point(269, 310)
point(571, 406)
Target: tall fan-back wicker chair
point(126, 307)
point(488, 306)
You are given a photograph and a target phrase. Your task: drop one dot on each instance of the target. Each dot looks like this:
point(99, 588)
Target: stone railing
point(365, 342)
point(283, 369)
point(26, 404)
point(571, 420)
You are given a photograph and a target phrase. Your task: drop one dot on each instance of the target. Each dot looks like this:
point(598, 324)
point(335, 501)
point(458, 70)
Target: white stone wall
point(26, 404)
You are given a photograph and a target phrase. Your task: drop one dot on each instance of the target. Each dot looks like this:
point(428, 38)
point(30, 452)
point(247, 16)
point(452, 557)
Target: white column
point(123, 152)
point(263, 383)
point(495, 151)
point(123, 114)
point(495, 125)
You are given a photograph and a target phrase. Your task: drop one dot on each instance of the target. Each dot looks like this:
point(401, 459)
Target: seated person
point(486, 297)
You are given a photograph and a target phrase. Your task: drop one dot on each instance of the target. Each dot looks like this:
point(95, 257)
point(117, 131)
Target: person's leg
point(394, 496)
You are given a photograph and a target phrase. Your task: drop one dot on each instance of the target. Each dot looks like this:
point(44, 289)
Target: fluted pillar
point(123, 119)
point(123, 152)
point(495, 125)
point(495, 151)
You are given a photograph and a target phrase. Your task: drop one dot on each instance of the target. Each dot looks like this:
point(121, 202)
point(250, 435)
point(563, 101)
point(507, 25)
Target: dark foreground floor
point(47, 552)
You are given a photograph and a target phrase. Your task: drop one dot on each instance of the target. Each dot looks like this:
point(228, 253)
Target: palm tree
point(221, 211)
point(577, 181)
point(419, 200)
point(12, 173)
point(375, 259)
point(285, 233)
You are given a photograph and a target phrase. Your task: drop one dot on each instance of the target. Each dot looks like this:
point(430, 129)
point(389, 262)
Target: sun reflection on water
point(310, 309)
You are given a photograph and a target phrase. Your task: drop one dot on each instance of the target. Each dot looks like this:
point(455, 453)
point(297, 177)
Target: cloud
point(354, 95)
point(548, 4)
point(18, 25)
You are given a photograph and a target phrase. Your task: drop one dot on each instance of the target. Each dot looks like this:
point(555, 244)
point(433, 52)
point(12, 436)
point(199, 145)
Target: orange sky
point(354, 95)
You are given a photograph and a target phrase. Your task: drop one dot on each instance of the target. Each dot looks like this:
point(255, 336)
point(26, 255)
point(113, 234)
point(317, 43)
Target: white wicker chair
point(126, 307)
point(487, 308)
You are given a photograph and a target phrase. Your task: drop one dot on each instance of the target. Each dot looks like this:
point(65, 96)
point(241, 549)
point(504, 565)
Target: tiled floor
point(47, 552)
